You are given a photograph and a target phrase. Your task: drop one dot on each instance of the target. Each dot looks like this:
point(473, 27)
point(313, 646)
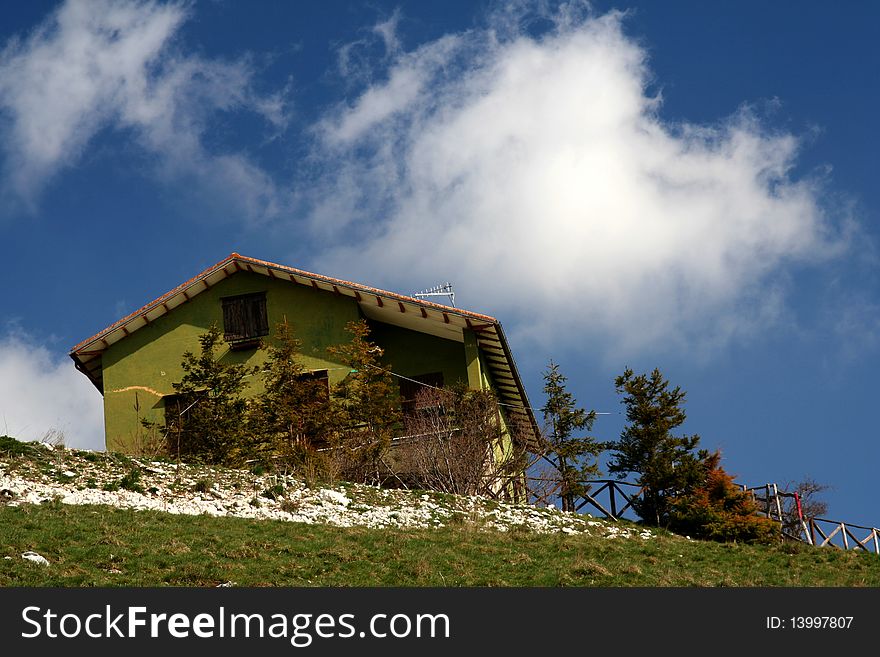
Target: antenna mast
point(442, 290)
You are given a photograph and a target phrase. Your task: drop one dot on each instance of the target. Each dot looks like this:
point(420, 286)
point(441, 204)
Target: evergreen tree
point(574, 457)
point(665, 464)
point(368, 402)
point(293, 414)
point(717, 509)
point(207, 421)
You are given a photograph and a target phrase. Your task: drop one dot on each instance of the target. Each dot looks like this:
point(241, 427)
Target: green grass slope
point(102, 545)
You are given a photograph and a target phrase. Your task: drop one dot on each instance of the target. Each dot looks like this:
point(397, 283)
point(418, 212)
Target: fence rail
point(843, 535)
point(613, 498)
point(612, 488)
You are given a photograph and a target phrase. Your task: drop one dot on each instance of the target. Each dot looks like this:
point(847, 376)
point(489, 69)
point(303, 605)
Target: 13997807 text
point(809, 622)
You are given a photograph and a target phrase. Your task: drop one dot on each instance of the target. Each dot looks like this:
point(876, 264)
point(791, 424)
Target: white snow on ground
point(81, 477)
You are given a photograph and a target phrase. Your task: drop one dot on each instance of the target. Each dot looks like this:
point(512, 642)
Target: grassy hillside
point(398, 539)
point(106, 546)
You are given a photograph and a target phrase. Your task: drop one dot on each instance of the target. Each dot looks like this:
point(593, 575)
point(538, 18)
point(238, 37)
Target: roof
point(389, 307)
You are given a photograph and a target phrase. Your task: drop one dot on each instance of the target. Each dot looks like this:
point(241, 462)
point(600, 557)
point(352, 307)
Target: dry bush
point(54, 437)
point(358, 455)
point(455, 442)
point(151, 443)
point(543, 483)
point(811, 506)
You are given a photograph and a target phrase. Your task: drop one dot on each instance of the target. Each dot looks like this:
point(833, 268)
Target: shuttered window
point(245, 318)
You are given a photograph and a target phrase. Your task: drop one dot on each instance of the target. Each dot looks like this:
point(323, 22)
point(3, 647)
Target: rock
point(171, 490)
point(335, 496)
point(36, 558)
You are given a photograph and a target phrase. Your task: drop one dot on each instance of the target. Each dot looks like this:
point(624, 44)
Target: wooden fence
point(820, 532)
point(614, 498)
point(843, 535)
point(611, 489)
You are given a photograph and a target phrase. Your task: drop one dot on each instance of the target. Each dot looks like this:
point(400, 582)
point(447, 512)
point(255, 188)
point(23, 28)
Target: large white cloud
point(97, 64)
point(536, 173)
point(42, 396)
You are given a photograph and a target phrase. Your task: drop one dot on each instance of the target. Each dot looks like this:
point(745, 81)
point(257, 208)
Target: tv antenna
point(442, 290)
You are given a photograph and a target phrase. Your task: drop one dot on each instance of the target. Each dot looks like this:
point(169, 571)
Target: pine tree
point(293, 414)
point(717, 509)
point(574, 457)
point(210, 407)
point(368, 402)
point(665, 464)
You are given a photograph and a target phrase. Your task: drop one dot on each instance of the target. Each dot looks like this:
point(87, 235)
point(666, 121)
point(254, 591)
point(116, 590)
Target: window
point(321, 380)
point(310, 406)
point(177, 409)
point(409, 389)
point(245, 320)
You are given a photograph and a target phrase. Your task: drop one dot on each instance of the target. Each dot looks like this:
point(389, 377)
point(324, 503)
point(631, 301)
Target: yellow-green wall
point(141, 368)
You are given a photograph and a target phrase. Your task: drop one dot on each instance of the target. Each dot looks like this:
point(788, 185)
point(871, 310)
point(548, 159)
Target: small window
point(411, 386)
point(321, 380)
point(245, 319)
point(177, 409)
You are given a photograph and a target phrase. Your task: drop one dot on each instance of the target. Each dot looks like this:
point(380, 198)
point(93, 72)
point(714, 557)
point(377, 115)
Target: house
point(134, 362)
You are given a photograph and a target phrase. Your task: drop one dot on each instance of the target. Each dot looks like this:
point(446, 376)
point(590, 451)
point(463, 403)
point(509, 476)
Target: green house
point(134, 362)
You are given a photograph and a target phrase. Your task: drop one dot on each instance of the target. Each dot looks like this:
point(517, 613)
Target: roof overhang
point(380, 305)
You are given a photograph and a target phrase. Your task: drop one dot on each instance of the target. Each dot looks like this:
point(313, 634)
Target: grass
point(109, 546)
point(106, 546)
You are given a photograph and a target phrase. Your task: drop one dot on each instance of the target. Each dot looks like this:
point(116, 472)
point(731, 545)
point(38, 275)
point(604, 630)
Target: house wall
point(410, 353)
point(141, 368)
point(504, 450)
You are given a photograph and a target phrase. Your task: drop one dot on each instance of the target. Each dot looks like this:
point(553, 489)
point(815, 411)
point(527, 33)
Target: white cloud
point(41, 394)
point(536, 173)
point(387, 30)
point(404, 87)
point(353, 57)
point(98, 64)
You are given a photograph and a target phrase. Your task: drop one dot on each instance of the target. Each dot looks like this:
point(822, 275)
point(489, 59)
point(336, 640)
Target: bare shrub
point(455, 442)
point(150, 442)
point(358, 454)
point(812, 506)
point(54, 437)
point(544, 483)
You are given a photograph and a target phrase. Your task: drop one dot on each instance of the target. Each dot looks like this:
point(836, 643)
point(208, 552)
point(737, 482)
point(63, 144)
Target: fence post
point(612, 489)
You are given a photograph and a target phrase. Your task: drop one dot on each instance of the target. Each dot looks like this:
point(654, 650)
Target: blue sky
point(680, 185)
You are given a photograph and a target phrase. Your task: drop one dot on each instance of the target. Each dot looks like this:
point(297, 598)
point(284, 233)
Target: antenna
point(442, 290)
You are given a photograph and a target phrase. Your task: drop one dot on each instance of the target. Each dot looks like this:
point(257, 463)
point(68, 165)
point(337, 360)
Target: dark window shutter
point(245, 317)
point(262, 317)
point(233, 327)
